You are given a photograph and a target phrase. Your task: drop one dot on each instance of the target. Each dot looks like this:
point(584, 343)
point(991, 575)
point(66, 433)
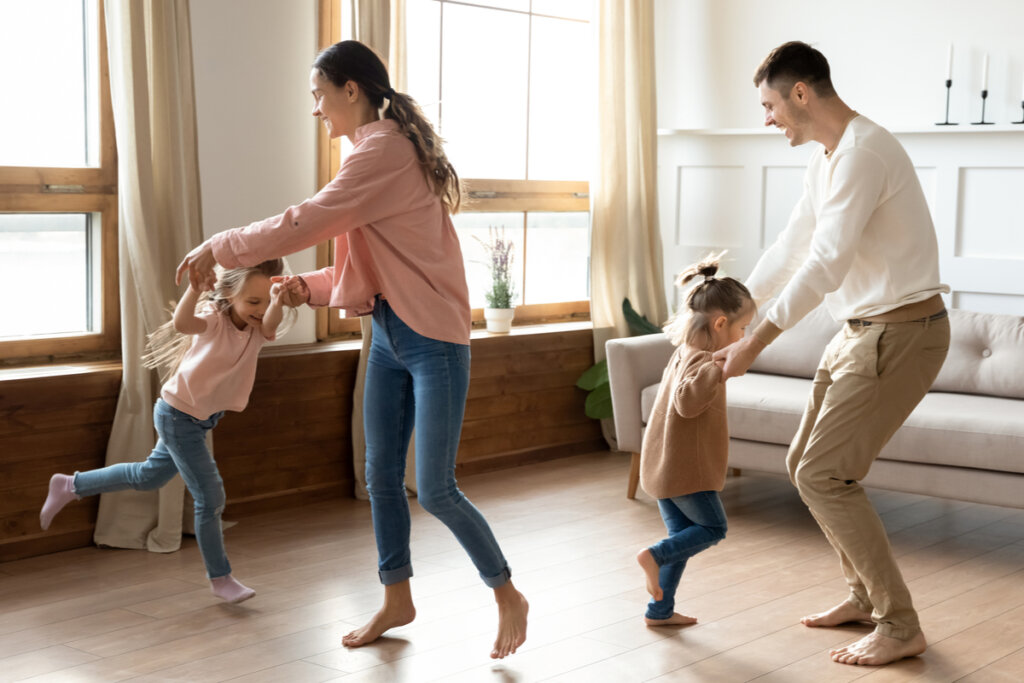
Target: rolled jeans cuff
point(499, 579)
point(392, 576)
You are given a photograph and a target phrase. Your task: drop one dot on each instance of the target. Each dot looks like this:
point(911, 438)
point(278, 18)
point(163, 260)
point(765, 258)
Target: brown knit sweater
point(686, 445)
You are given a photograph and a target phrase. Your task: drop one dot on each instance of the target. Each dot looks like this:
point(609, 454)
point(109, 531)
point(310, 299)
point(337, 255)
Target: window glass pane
point(572, 9)
point(483, 91)
point(473, 227)
point(519, 5)
point(423, 47)
point(48, 53)
point(557, 257)
point(562, 136)
point(47, 254)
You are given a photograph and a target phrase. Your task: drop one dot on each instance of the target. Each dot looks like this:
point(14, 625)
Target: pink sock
point(62, 492)
point(228, 589)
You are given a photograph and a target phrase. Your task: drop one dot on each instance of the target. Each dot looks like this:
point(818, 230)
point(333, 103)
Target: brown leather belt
point(919, 310)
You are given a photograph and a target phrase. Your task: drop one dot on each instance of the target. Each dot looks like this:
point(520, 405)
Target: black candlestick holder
point(1021, 113)
point(983, 122)
point(947, 122)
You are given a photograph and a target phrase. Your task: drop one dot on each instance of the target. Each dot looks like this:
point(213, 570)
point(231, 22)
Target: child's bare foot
point(389, 616)
point(676, 619)
point(650, 567)
point(229, 589)
point(512, 611)
point(843, 613)
point(875, 649)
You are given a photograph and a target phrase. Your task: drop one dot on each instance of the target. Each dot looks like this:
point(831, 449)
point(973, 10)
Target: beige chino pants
point(870, 378)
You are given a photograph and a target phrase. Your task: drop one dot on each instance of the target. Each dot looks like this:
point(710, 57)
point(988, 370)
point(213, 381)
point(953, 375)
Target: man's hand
point(199, 264)
point(736, 358)
point(294, 291)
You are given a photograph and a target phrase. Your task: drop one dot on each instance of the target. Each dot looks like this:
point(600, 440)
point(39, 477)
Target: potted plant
point(499, 310)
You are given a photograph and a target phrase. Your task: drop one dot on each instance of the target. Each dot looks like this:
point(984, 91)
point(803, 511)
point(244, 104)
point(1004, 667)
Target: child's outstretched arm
point(185, 320)
point(275, 311)
point(698, 386)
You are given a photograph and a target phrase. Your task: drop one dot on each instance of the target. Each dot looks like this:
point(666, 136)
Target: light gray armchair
point(634, 364)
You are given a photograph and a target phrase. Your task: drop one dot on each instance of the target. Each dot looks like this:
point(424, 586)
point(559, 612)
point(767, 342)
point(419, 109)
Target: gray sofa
point(965, 440)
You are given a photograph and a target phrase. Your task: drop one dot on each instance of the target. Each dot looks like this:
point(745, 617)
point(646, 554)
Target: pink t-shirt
point(393, 237)
point(218, 370)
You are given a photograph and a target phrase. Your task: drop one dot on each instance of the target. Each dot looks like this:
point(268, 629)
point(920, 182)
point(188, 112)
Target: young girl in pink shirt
point(210, 350)
point(397, 258)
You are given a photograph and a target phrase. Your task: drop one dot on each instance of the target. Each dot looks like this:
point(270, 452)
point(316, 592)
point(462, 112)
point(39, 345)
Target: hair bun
point(706, 267)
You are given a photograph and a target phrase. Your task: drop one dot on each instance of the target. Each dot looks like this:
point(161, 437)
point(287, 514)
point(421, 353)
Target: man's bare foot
point(842, 613)
point(512, 611)
point(875, 649)
point(650, 567)
point(676, 619)
point(398, 610)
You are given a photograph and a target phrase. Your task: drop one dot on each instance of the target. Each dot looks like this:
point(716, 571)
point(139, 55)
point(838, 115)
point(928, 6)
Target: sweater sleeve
point(697, 387)
point(855, 191)
point(357, 196)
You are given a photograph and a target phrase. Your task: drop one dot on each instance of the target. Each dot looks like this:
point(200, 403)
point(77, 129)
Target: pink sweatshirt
point(392, 237)
point(218, 370)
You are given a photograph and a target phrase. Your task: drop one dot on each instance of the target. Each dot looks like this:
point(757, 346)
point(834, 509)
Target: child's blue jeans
point(181, 448)
point(695, 522)
point(412, 379)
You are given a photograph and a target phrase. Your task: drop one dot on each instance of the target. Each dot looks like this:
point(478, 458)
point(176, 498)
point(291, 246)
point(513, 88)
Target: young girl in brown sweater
point(686, 444)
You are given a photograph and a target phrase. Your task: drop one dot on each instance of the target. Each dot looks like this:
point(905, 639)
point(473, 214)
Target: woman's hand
point(199, 264)
point(294, 291)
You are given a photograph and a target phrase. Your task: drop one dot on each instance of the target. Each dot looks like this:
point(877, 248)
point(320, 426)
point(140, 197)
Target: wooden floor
point(570, 536)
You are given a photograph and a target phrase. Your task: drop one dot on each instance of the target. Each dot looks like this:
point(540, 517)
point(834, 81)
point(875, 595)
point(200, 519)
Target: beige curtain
point(381, 25)
point(150, 57)
point(625, 241)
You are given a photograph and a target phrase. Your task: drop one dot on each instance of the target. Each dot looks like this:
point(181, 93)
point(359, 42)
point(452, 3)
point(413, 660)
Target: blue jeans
point(181, 448)
point(412, 379)
point(695, 522)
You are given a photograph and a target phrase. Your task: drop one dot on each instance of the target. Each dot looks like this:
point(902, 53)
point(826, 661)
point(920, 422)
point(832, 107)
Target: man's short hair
point(795, 61)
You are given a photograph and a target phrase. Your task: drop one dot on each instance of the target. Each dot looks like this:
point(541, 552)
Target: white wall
point(257, 140)
point(724, 181)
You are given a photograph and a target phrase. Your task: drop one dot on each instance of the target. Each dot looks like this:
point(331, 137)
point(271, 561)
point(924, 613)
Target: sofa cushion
point(766, 407)
point(796, 351)
point(983, 432)
point(986, 355)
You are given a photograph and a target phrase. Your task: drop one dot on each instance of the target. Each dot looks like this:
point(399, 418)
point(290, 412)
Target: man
point(862, 240)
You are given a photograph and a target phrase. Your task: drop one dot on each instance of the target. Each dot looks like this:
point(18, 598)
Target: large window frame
point(91, 190)
point(482, 195)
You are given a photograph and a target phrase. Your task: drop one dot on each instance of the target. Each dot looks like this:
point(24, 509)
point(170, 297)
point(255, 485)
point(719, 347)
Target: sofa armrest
point(634, 363)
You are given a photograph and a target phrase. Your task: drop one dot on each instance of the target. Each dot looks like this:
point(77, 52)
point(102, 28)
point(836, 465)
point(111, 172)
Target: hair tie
point(389, 93)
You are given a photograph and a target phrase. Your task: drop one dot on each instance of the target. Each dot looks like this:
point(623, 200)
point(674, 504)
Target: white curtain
point(150, 57)
point(381, 25)
point(625, 243)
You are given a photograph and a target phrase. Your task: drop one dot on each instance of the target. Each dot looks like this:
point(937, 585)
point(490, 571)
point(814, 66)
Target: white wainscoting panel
point(990, 220)
point(708, 211)
point(783, 187)
point(989, 303)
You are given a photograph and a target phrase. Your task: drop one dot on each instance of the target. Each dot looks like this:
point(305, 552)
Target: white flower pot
point(499, 320)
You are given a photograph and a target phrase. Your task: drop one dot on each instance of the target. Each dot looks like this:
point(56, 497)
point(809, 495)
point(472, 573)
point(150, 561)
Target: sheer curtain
point(625, 242)
point(150, 57)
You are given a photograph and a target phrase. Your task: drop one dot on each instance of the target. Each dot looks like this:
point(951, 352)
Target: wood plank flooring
point(570, 536)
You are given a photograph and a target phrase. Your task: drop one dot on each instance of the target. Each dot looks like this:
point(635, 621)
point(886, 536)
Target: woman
point(396, 256)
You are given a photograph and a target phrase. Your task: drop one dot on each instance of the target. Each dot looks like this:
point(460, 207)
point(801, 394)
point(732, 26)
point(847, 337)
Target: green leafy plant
point(598, 405)
point(499, 249)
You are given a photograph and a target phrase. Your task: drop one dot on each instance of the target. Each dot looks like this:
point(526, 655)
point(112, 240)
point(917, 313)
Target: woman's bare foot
point(512, 610)
point(676, 619)
point(650, 567)
point(842, 613)
point(398, 610)
point(875, 649)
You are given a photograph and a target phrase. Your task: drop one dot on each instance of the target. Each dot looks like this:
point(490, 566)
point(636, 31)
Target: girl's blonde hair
point(166, 347)
point(691, 325)
point(350, 60)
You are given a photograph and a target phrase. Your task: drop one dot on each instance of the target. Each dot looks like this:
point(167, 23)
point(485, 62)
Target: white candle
point(984, 73)
point(949, 64)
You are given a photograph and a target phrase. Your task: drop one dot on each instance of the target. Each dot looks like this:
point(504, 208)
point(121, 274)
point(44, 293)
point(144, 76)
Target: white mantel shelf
point(932, 130)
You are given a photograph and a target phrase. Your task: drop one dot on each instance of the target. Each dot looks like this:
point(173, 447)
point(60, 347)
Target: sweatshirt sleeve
point(697, 387)
point(855, 191)
point(357, 196)
point(320, 282)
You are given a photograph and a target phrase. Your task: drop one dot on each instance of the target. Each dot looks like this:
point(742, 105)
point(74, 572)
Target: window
point(509, 84)
point(58, 183)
